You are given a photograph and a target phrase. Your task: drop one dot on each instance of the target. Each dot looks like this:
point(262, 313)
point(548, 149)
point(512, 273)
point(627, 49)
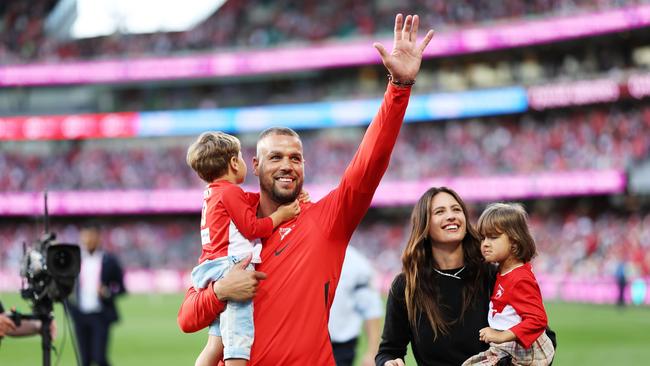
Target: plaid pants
point(539, 354)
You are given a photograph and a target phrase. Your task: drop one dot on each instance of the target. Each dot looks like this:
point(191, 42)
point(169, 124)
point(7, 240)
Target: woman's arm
point(397, 332)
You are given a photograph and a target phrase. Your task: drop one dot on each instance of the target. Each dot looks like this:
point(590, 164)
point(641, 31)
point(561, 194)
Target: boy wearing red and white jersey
point(516, 315)
point(303, 257)
point(230, 232)
point(516, 297)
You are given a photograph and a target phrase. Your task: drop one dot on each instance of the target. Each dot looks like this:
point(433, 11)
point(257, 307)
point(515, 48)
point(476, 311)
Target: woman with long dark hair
point(438, 303)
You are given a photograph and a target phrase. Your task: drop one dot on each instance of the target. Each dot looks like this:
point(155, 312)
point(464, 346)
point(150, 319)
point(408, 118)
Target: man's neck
point(448, 256)
point(267, 205)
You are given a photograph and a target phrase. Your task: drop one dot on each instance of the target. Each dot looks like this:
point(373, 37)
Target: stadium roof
point(95, 18)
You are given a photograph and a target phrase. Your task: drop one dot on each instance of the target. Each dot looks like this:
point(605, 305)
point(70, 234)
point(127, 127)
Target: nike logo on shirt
point(279, 251)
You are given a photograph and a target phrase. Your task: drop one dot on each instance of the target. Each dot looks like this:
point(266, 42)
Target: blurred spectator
point(357, 304)
point(621, 282)
point(93, 308)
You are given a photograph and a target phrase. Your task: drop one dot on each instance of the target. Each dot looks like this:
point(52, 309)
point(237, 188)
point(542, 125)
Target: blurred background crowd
point(582, 235)
point(612, 137)
point(264, 23)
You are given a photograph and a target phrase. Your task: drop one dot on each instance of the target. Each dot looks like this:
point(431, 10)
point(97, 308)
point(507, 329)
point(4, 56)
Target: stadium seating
point(577, 236)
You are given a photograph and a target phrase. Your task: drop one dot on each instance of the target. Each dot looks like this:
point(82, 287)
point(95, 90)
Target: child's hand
point(488, 335)
point(289, 211)
point(285, 213)
point(303, 197)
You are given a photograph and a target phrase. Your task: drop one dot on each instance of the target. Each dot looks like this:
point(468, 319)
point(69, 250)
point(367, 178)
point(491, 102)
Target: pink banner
point(568, 288)
point(639, 85)
point(326, 55)
point(507, 187)
point(68, 127)
point(573, 93)
point(503, 187)
point(136, 280)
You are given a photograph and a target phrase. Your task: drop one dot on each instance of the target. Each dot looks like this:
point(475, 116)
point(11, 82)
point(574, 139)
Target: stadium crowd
point(571, 241)
point(263, 23)
point(605, 137)
point(587, 241)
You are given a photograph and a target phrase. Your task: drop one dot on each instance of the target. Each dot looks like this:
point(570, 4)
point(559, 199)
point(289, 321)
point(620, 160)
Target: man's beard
point(281, 196)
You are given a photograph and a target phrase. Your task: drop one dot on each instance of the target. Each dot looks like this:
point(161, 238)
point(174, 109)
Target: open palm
point(403, 62)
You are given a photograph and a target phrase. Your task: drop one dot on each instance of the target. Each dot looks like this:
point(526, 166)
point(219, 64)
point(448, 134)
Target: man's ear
point(256, 164)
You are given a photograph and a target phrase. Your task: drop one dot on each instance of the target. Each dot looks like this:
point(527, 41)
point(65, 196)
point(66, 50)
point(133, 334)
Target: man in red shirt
point(303, 256)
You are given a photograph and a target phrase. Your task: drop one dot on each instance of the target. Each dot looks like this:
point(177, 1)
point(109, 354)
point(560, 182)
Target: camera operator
point(26, 327)
point(93, 309)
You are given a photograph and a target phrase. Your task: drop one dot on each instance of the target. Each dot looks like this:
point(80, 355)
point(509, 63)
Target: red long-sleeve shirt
point(303, 257)
point(229, 222)
point(516, 304)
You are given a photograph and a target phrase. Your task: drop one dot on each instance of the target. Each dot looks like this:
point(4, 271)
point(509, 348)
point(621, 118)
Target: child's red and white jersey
point(229, 224)
point(516, 304)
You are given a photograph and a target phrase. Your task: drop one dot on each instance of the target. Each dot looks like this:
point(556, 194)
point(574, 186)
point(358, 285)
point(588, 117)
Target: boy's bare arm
point(285, 213)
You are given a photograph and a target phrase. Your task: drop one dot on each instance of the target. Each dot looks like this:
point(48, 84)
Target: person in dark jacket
point(93, 309)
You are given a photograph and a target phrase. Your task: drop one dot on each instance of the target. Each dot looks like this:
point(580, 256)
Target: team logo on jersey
point(284, 231)
point(499, 293)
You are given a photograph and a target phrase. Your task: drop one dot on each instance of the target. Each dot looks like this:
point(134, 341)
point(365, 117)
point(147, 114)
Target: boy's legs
point(540, 353)
point(202, 275)
point(212, 352)
point(235, 323)
point(237, 329)
point(491, 356)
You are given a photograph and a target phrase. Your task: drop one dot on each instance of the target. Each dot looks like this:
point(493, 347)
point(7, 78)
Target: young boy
point(230, 232)
point(516, 316)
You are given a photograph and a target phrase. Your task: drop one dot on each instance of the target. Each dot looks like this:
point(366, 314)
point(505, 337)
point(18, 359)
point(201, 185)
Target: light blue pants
point(235, 324)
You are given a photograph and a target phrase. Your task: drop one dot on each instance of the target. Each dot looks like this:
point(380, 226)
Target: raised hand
point(403, 62)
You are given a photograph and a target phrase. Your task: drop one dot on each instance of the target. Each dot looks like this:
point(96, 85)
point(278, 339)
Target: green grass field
point(587, 335)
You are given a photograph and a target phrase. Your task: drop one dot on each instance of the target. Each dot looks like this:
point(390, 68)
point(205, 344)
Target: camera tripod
point(43, 312)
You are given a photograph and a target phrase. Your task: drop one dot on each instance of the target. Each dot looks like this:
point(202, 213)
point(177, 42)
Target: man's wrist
point(402, 83)
point(218, 291)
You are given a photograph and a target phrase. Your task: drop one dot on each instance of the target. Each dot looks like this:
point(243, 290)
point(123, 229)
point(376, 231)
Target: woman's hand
point(395, 362)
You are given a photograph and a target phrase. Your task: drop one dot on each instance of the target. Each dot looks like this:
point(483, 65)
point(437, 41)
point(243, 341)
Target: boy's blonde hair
point(510, 219)
point(210, 154)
